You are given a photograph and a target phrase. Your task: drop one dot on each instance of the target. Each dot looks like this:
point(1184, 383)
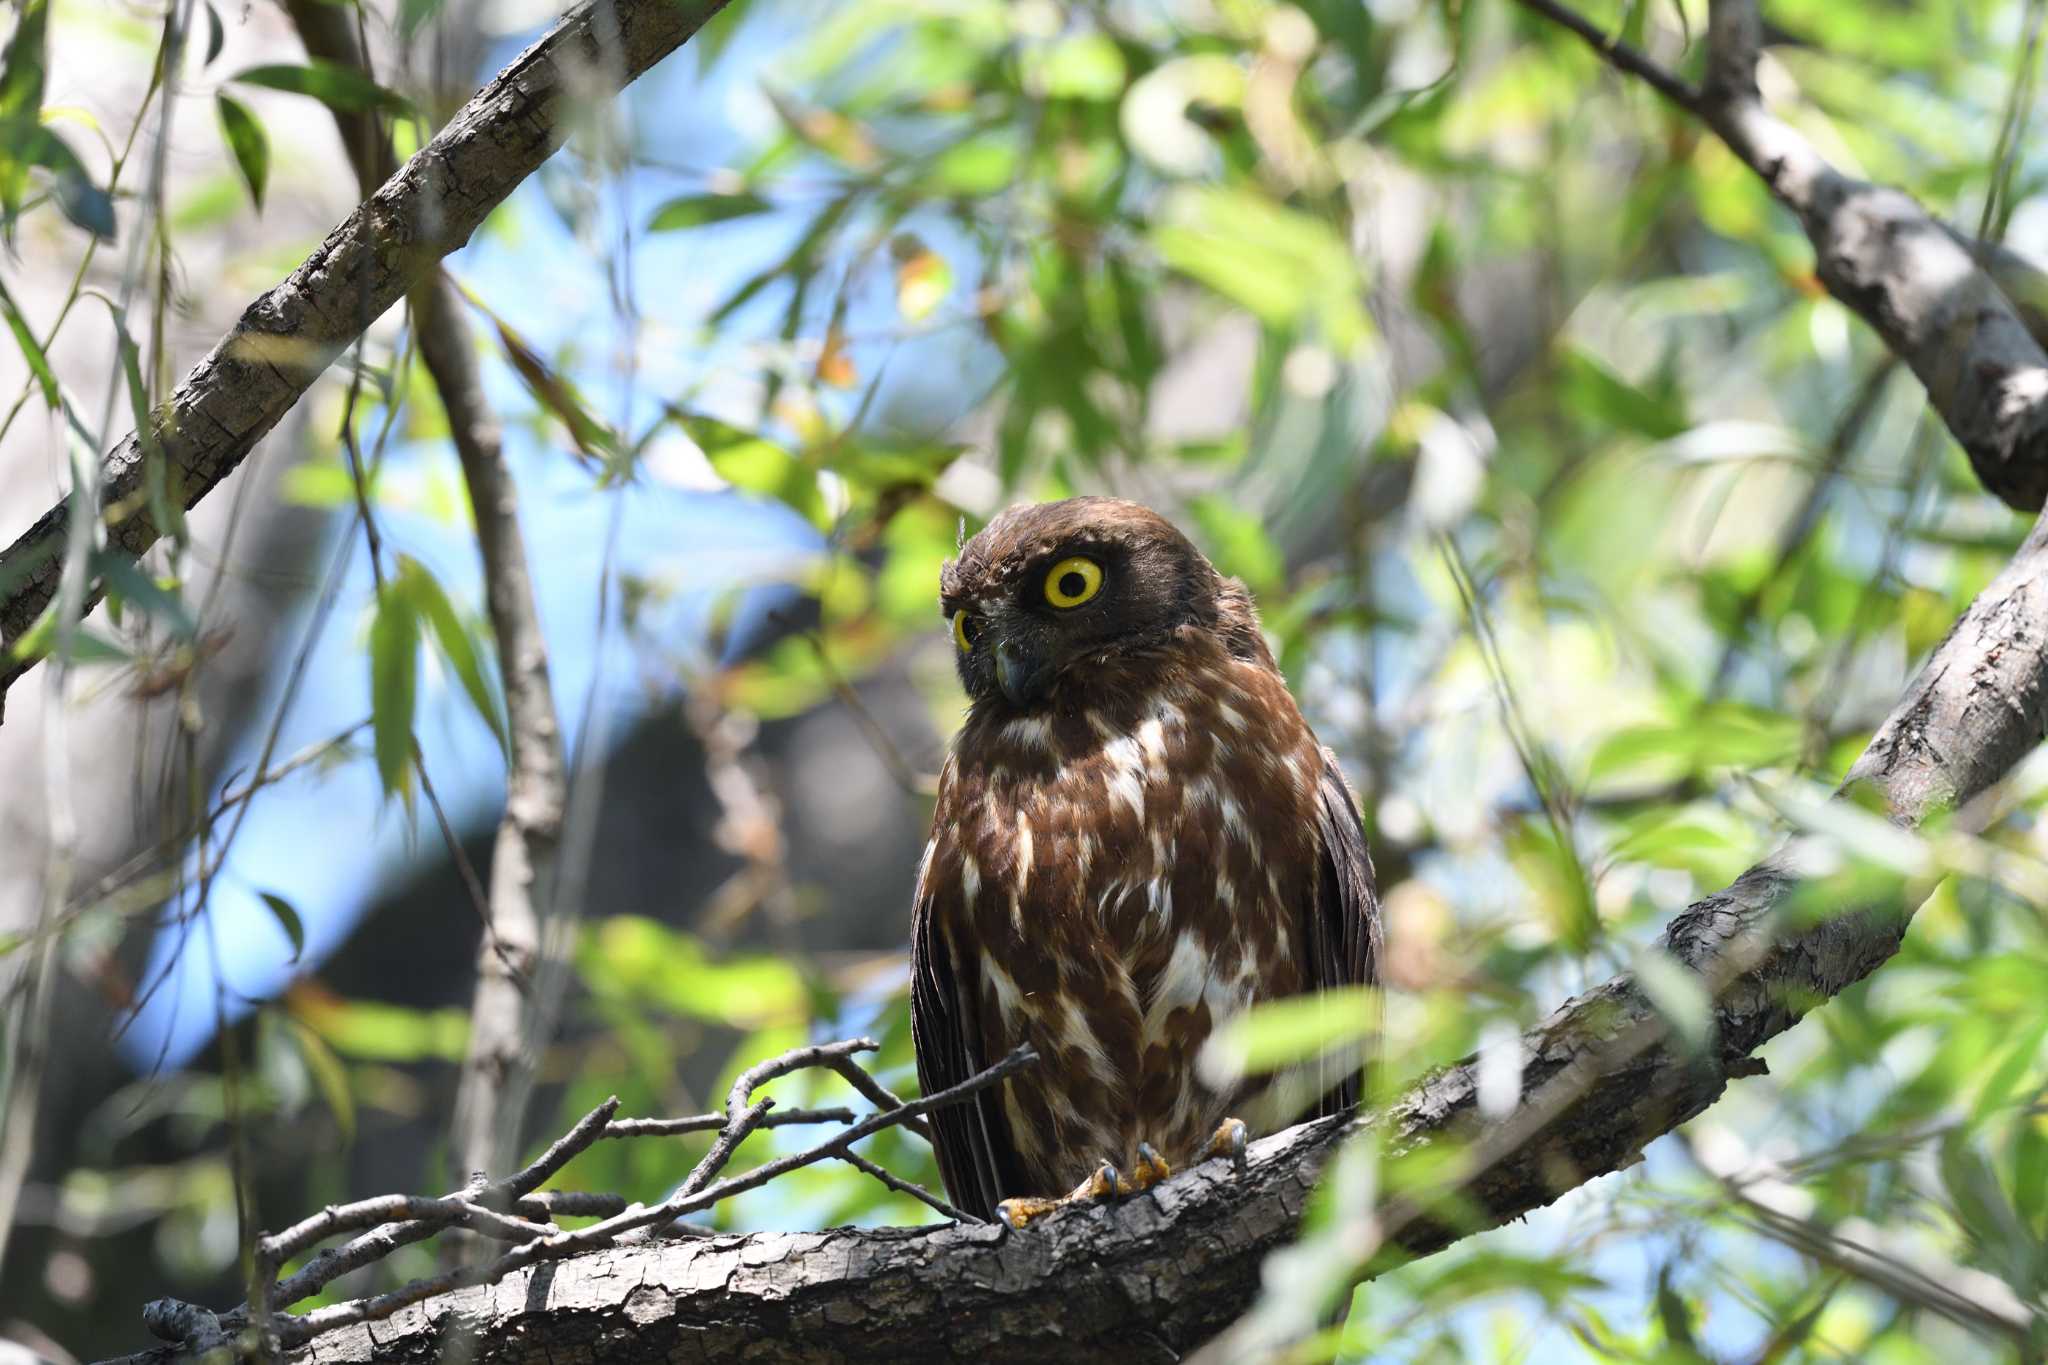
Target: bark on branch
point(1966, 316)
point(391, 244)
point(1155, 1277)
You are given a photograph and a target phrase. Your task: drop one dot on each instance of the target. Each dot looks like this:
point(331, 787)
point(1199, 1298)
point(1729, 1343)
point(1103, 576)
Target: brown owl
point(1136, 837)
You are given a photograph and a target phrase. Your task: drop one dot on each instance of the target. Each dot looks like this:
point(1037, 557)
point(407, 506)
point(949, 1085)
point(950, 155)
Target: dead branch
point(504, 1210)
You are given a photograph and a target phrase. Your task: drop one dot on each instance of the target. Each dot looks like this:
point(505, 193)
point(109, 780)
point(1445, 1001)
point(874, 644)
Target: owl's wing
point(1345, 935)
point(972, 1138)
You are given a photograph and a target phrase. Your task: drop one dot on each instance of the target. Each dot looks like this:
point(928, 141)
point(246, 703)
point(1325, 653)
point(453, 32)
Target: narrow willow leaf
point(1679, 997)
point(394, 685)
point(552, 392)
point(216, 34)
point(287, 919)
point(249, 143)
point(330, 1074)
point(414, 15)
point(696, 210)
point(31, 351)
point(125, 577)
point(337, 87)
point(455, 643)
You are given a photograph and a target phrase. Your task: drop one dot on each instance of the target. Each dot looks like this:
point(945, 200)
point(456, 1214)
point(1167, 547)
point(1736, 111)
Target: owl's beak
point(1021, 672)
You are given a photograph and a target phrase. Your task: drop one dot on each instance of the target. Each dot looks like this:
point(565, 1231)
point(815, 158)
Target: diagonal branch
point(1966, 316)
point(388, 246)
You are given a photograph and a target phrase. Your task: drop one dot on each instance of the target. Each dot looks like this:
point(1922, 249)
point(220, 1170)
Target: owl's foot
point(1229, 1140)
point(1106, 1185)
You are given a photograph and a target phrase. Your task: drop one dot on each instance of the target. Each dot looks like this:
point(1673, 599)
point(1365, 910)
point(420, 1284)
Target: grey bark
point(1159, 1275)
point(391, 243)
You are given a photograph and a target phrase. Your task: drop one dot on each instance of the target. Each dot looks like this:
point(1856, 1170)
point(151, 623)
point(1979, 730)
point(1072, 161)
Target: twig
point(373, 1246)
point(295, 1331)
point(1620, 55)
point(878, 1094)
point(709, 1123)
point(902, 1186)
point(743, 1115)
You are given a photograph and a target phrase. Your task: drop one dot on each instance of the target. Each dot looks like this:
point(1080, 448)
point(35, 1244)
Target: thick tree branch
point(1156, 1276)
point(387, 247)
point(1966, 316)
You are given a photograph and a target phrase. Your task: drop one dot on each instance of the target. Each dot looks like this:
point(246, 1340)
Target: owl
point(1136, 837)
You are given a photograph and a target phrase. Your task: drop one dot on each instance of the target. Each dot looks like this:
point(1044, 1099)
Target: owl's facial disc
point(1023, 640)
point(1059, 604)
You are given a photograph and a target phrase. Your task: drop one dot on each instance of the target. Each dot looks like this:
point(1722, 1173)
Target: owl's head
point(1055, 598)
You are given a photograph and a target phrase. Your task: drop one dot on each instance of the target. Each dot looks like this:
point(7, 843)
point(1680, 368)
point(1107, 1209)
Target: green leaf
point(1237, 542)
point(1082, 66)
point(216, 34)
point(329, 1073)
point(414, 15)
point(593, 439)
point(22, 69)
point(31, 351)
point(124, 578)
point(1284, 267)
point(249, 143)
point(1281, 1032)
point(287, 920)
point(166, 510)
point(455, 644)
point(394, 683)
point(645, 959)
point(1678, 996)
point(1591, 389)
point(755, 464)
point(696, 210)
point(337, 87)
point(975, 166)
point(87, 645)
point(374, 1031)
point(2020, 1059)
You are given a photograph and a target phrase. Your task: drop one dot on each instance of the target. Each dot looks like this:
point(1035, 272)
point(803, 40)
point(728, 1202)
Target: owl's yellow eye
point(965, 631)
point(1073, 581)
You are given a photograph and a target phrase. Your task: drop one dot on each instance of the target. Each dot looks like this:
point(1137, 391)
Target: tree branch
point(390, 244)
point(1966, 316)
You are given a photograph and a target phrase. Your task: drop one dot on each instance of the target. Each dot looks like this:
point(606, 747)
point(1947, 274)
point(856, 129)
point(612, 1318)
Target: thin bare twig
point(711, 1123)
point(915, 1191)
point(297, 1330)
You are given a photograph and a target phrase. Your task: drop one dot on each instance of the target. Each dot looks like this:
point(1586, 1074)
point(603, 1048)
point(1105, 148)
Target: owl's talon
point(1230, 1139)
point(1151, 1168)
point(1105, 1185)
